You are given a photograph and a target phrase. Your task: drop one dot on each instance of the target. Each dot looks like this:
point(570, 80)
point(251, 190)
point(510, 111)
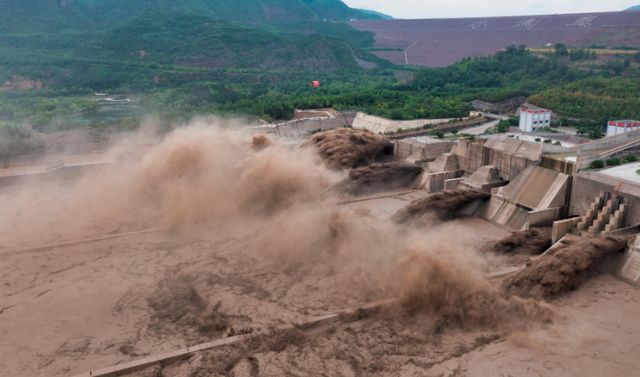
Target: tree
point(547, 141)
point(613, 161)
point(631, 158)
point(503, 126)
point(439, 134)
point(597, 164)
point(561, 49)
point(396, 114)
point(564, 121)
point(537, 140)
point(454, 131)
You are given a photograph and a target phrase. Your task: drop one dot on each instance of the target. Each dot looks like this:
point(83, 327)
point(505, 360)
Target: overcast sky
point(486, 8)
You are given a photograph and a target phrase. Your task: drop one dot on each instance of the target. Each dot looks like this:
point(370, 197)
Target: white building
point(621, 126)
point(532, 119)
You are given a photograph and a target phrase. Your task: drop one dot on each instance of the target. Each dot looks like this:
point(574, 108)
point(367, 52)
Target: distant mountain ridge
point(374, 13)
point(636, 7)
point(24, 16)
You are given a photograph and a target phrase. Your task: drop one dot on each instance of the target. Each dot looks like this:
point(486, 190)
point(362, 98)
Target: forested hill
point(262, 34)
point(28, 16)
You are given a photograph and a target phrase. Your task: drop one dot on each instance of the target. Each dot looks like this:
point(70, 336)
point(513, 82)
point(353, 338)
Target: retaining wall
point(585, 158)
point(474, 155)
point(587, 186)
point(546, 217)
point(296, 130)
point(422, 151)
point(435, 181)
point(560, 166)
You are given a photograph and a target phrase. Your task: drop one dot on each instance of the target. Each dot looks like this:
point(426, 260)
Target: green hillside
point(28, 16)
point(378, 14)
point(190, 40)
point(157, 36)
point(193, 33)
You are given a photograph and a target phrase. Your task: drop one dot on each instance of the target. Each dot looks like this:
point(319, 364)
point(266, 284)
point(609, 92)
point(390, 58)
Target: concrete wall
point(446, 162)
point(585, 158)
point(301, 129)
point(403, 149)
point(587, 186)
point(501, 211)
point(473, 155)
point(484, 188)
point(608, 142)
point(435, 181)
point(546, 217)
point(550, 149)
point(378, 124)
point(562, 227)
point(452, 184)
point(560, 166)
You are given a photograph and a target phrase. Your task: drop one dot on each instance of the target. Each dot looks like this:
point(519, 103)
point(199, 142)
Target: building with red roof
point(620, 126)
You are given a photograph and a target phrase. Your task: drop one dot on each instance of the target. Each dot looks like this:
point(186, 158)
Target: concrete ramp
point(542, 189)
point(502, 212)
point(537, 197)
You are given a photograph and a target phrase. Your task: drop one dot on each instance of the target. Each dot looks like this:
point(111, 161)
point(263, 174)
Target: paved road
point(479, 130)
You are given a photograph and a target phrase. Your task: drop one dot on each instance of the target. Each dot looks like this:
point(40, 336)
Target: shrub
point(537, 140)
point(547, 141)
point(503, 126)
point(631, 158)
point(400, 130)
point(557, 142)
point(454, 131)
point(613, 161)
point(597, 164)
point(439, 134)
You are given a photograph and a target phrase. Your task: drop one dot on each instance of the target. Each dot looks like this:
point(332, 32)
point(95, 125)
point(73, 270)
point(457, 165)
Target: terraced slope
point(441, 42)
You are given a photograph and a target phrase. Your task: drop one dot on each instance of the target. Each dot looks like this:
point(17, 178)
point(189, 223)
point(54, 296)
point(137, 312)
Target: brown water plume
point(563, 268)
point(379, 177)
point(346, 148)
point(446, 284)
point(260, 142)
point(440, 206)
point(197, 174)
point(532, 241)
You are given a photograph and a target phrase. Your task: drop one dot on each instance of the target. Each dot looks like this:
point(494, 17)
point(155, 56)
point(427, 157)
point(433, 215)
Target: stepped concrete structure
point(484, 179)
point(421, 149)
point(437, 172)
point(510, 156)
point(534, 184)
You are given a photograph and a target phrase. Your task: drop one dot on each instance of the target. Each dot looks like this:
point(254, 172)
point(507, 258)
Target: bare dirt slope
point(444, 41)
